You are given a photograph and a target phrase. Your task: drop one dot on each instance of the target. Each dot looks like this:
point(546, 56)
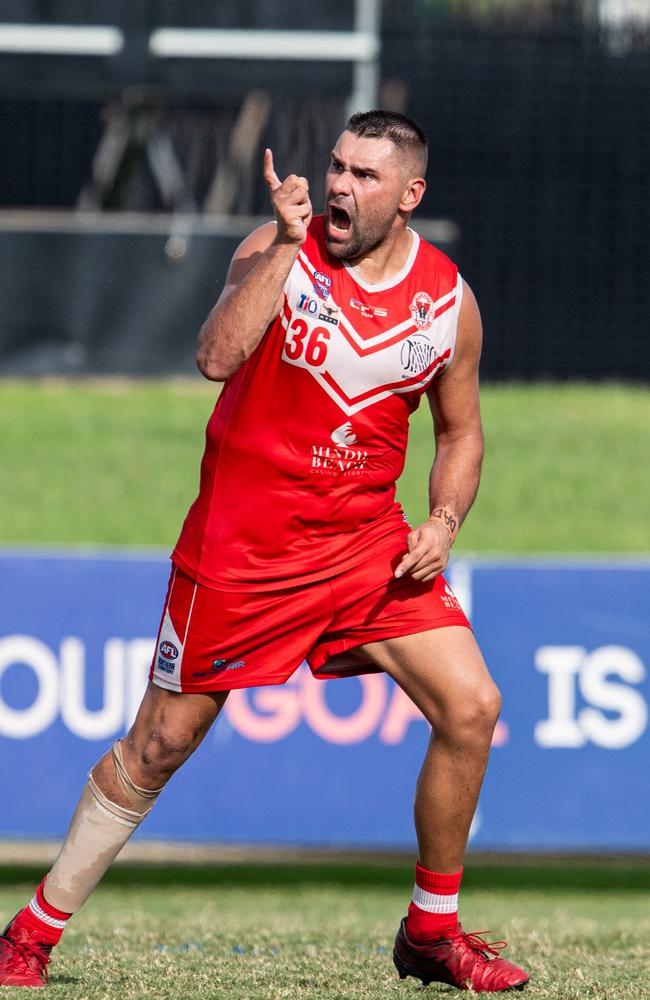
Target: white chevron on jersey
point(350, 406)
point(355, 383)
point(364, 343)
point(368, 342)
point(357, 372)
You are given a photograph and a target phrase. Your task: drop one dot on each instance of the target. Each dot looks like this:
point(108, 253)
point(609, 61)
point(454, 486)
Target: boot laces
point(28, 951)
point(476, 943)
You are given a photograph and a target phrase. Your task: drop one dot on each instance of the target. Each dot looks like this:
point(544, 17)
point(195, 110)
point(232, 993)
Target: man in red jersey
point(327, 334)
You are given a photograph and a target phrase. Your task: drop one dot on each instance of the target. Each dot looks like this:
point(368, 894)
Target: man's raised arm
point(252, 297)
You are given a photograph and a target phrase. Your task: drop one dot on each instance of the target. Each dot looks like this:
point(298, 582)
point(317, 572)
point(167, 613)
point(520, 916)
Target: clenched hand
point(428, 552)
point(291, 204)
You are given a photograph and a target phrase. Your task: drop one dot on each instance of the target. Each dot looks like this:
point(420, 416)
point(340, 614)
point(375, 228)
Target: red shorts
point(218, 640)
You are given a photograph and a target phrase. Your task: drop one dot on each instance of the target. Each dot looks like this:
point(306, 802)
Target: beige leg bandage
point(98, 831)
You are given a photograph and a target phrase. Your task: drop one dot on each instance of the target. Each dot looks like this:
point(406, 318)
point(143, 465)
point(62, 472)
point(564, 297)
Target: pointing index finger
point(272, 180)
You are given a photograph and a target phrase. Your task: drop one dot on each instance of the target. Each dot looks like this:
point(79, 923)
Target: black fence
point(540, 152)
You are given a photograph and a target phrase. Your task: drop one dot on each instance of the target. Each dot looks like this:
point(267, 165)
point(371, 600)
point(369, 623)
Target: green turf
point(117, 463)
point(325, 932)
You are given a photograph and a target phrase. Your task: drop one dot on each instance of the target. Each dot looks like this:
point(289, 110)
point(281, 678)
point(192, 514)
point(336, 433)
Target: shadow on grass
point(552, 875)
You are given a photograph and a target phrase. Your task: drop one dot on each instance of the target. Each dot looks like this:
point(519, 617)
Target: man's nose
point(340, 182)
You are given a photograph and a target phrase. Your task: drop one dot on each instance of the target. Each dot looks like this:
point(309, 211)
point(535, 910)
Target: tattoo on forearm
point(449, 521)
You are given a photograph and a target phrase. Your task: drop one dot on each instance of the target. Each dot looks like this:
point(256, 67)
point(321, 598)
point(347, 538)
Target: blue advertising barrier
point(335, 762)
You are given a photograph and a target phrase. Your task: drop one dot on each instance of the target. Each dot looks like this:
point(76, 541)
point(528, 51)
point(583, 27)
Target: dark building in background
point(540, 154)
point(540, 151)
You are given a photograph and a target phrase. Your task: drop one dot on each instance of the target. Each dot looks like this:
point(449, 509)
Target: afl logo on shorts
point(168, 650)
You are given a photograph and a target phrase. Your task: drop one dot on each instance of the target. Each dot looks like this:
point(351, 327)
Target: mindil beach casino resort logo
point(343, 458)
point(422, 310)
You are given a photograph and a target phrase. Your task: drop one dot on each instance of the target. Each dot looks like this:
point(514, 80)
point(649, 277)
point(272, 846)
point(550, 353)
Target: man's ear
point(413, 194)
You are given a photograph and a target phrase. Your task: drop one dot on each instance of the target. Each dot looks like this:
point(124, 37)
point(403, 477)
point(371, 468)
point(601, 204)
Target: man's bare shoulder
point(249, 251)
point(260, 238)
point(470, 328)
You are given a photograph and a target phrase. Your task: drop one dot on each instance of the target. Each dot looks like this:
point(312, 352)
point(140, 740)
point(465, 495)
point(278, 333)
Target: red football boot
point(462, 960)
point(23, 959)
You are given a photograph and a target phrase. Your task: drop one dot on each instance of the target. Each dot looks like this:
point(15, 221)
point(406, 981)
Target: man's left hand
point(428, 552)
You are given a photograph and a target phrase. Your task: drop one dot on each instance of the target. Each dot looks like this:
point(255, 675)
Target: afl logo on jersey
point(422, 310)
point(168, 650)
point(322, 284)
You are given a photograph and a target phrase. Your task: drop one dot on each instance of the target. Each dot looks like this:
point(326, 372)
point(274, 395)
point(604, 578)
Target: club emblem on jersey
point(344, 434)
point(422, 310)
point(368, 312)
point(361, 350)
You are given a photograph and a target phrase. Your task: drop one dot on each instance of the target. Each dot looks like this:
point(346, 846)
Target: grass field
point(325, 932)
point(117, 463)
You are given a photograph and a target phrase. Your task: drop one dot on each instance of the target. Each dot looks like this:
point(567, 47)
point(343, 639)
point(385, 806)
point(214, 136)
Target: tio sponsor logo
point(615, 715)
point(308, 305)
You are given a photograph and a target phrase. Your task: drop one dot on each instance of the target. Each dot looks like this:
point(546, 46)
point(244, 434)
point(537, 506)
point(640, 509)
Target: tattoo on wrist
point(449, 521)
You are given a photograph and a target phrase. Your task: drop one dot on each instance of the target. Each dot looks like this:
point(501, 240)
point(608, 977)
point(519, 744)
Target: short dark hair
point(391, 125)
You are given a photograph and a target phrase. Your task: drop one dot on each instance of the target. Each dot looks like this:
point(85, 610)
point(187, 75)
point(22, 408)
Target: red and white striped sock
point(433, 911)
point(42, 919)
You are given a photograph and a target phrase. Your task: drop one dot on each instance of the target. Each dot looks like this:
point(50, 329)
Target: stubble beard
point(360, 242)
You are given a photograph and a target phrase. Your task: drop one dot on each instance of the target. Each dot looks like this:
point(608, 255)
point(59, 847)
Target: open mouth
point(339, 220)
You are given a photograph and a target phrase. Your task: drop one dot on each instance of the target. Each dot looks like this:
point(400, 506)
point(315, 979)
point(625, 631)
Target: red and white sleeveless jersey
point(308, 438)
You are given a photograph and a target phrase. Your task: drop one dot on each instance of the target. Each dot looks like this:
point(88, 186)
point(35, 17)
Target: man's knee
point(166, 731)
point(143, 761)
point(470, 715)
point(154, 757)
